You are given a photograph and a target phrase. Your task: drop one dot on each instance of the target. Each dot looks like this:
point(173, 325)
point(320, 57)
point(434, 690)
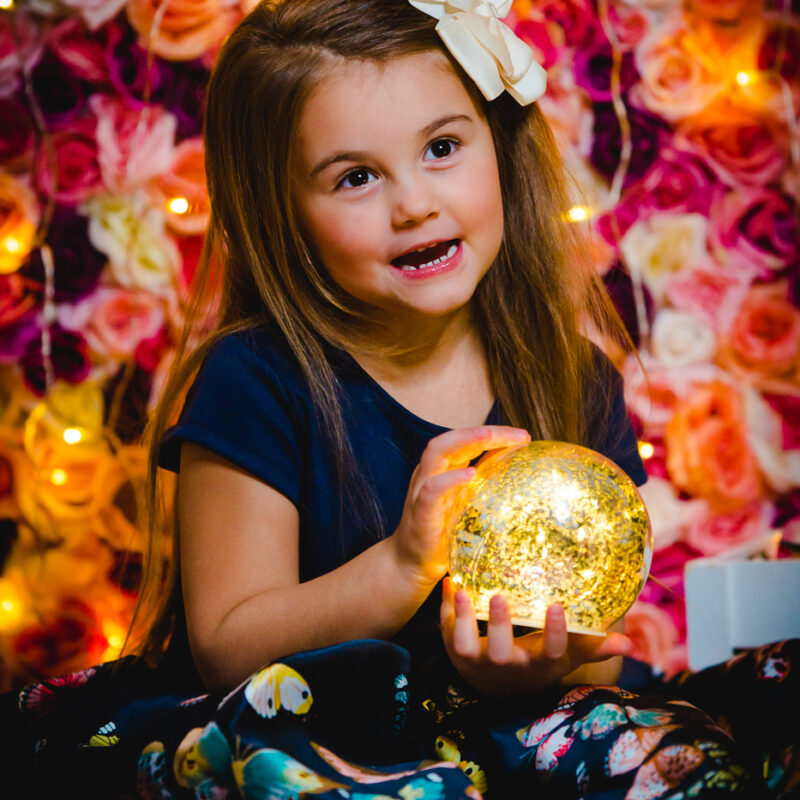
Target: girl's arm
point(239, 564)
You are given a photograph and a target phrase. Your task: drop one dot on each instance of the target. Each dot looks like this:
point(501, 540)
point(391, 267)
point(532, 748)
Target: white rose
point(131, 233)
point(664, 245)
point(780, 467)
point(679, 337)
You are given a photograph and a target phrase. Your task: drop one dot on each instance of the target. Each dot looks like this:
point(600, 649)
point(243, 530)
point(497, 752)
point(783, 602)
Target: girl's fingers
point(499, 634)
point(554, 636)
point(466, 639)
point(459, 447)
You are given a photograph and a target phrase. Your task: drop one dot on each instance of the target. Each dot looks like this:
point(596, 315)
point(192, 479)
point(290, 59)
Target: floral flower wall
point(678, 120)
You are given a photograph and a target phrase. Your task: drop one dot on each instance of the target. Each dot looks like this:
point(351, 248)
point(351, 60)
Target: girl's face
point(396, 183)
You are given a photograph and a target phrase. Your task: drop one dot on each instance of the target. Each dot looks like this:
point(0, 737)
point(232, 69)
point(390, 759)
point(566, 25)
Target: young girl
point(400, 295)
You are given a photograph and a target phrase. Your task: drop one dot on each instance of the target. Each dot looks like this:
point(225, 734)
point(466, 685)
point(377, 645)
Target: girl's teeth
point(450, 253)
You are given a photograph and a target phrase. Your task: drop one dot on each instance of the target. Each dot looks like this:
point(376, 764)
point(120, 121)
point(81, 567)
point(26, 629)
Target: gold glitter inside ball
point(547, 523)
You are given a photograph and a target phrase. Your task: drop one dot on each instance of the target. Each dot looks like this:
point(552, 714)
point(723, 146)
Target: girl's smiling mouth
point(430, 259)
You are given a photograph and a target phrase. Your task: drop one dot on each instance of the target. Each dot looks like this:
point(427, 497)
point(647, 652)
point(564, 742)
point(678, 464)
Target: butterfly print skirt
point(355, 722)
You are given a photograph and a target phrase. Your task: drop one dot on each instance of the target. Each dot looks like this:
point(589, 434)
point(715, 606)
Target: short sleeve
point(610, 424)
point(238, 408)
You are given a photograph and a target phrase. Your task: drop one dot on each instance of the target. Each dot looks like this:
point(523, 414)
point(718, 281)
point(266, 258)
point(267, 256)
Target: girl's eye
point(355, 178)
point(441, 148)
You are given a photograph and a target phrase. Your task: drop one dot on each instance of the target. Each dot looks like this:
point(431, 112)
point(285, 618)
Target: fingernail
point(461, 599)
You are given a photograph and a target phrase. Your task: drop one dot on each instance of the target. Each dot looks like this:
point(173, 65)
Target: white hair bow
point(488, 50)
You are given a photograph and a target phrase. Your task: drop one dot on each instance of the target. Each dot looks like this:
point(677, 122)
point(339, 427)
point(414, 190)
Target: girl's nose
point(414, 202)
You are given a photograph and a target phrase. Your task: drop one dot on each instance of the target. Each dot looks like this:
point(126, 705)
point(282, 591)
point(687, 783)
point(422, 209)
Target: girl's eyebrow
point(357, 155)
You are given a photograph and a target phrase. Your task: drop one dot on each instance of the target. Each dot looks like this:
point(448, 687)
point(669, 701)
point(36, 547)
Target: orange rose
point(186, 179)
point(708, 454)
point(188, 28)
point(764, 339)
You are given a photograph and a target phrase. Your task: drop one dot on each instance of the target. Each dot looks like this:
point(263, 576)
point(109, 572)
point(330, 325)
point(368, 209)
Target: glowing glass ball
point(552, 522)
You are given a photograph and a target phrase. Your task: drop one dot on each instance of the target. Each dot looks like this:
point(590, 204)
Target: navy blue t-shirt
point(250, 404)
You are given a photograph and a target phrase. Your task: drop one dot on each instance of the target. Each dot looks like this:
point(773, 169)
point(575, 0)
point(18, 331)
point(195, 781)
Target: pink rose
point(535, 33)
point(742, 147)
point(18, 323)
point(653, 634)
point(629, 23)
point(757, 228)
point(78, 171)
point(114, 321)
point(679, 182)
point(764, 338)
point(708, 453)
point(188, 27)
point(186, 179)
point(714, 295)
point(713, 532)
point(20, 43)
point(787, 406)
point(79, 50)
point(677, 79)
point(134, 145)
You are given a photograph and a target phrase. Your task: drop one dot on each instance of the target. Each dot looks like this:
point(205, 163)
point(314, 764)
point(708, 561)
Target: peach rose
point(134, 145)
point(19, 218)
point(708, 452)
point(713, 532)
point(114, 321)
point(653, 633)
point(186, 179)
point(188, 27)
point(678, 78)
point(764, 338)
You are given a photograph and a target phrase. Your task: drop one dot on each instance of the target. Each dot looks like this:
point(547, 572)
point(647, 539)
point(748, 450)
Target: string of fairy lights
point(72, 434)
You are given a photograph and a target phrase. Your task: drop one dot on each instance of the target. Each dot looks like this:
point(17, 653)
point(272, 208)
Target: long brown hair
point(531, 309)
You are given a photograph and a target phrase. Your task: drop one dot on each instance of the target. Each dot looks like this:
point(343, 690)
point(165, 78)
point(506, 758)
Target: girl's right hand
point(443, 470)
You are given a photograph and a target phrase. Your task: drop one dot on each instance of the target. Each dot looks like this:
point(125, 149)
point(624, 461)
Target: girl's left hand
point(501, 665)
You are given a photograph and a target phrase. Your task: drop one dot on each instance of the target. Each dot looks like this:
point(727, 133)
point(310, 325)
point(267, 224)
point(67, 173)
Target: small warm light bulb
point(58, 477)
point(72, 435)
point(115, 636)
point(10, 605)
point(744, 78)
point(11, 244)
point(578, 214)
point(178, 205)
point(6, 4)
point(646, 450)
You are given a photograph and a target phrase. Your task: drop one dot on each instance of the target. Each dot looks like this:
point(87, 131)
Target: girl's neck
point(440, 359)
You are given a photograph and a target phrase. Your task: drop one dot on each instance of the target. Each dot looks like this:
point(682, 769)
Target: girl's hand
point(500, 665)
point(442, 472)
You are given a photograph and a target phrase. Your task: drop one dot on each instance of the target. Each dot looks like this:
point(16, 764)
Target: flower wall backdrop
point(678, 119)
